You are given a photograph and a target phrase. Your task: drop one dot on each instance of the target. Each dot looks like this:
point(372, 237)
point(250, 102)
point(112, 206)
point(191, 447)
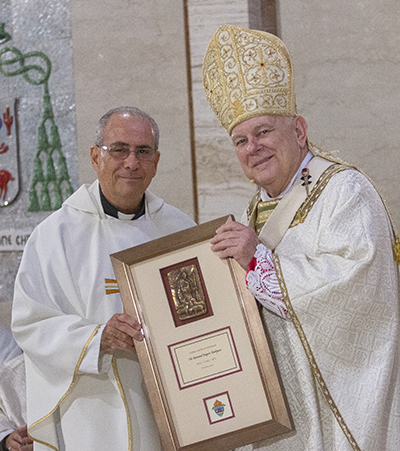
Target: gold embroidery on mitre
point(316, 372)
point(238, 108)
point(250, 68)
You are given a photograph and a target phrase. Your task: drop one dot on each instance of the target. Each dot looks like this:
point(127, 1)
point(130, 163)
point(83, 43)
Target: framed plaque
point(205, 357)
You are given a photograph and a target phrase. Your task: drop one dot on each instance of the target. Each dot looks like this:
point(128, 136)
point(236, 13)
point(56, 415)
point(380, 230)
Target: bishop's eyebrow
point(262, 126)
point(256, 129)
point(239, 135)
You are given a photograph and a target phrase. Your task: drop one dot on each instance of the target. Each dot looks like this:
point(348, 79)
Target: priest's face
point(124, 181)
point(271, 149)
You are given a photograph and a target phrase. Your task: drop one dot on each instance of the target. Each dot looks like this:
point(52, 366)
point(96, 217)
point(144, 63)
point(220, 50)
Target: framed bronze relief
point(204, 345)
point(186, 291)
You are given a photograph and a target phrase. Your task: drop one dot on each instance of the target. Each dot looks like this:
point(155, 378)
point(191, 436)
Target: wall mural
point(51, 183)
point(8, 155)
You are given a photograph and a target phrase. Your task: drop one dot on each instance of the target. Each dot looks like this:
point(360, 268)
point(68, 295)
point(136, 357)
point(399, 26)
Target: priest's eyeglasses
point(120, 151)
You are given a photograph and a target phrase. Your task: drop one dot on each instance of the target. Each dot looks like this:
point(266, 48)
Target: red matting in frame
point(204, 351)
point(219, 407)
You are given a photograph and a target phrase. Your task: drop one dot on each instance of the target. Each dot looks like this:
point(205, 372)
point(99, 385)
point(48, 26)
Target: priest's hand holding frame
point(119, 333)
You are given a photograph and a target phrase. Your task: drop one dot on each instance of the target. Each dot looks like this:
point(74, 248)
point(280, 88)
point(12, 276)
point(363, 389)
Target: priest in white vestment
point(85, 389)
point(321, 253)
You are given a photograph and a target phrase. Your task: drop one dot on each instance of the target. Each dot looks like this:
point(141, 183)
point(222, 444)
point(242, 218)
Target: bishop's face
point(124, 182)
point(271, 149)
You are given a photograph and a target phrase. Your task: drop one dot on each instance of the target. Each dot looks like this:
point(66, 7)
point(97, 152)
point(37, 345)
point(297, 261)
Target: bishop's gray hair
point(132, 111)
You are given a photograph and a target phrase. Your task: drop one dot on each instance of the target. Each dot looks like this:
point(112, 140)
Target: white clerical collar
point(125, 217)
point(264, 195)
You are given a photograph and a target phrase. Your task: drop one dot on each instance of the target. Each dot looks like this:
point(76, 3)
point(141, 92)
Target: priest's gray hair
point(132, 111)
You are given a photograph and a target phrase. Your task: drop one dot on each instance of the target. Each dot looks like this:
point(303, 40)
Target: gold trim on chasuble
point(396, 243)
point(299, 218)
point(66, 393)
point(252, 204)
point(396, 249)
point(121, 391)
point(264, 210)
point(111, 286)
point(320, 185)
point(311, 359)
point(331, 157)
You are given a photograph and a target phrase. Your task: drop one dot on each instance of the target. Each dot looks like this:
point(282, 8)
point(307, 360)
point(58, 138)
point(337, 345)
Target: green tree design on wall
point(50, 172)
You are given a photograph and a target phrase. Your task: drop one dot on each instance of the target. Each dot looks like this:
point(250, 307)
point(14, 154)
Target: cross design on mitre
point(264, 63)
point(211, 88)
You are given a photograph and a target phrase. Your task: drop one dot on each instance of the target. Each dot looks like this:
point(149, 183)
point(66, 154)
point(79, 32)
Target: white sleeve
point(94, 362)
point(6, 426)
point(262, 281)
point(4, 434)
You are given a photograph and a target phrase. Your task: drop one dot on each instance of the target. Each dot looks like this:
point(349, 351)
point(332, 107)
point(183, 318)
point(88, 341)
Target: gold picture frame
point(206, 360)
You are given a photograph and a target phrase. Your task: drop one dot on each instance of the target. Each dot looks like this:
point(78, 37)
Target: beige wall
point(222, 187)
point(347, 71)
point(133, 53)
point(346, 66)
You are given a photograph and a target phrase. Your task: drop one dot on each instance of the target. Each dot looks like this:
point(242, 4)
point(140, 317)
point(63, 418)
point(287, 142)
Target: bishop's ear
point(301, 131)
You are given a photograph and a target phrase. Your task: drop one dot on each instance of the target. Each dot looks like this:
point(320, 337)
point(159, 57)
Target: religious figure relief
point(186, 291)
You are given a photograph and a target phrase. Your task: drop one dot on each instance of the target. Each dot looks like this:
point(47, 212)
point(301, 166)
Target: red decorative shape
point(3, 148)
point(5, 177)
point(8, 120)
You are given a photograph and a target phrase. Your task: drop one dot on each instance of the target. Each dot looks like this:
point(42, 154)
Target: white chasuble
point(61, 303)
point(341, 285)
